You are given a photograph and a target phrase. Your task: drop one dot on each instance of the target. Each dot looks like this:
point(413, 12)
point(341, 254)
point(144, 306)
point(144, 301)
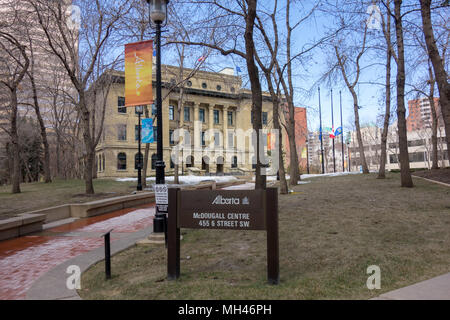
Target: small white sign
point(161, 194)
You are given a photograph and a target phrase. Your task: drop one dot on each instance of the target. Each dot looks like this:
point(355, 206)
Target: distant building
point(301, 135)
point(419, 148)
point(420, 117)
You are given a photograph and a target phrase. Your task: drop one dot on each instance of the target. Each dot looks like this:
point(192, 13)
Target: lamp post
point(158, 13)
point(139, 111)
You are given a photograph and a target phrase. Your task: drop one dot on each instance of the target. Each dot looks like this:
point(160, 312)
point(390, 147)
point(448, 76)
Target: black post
point(273, 264)
point(139, 183)
point(107, 255)
point(158, 222)
point(173, 250)
point(342, 134)
point(332, 126)
point(321, 136)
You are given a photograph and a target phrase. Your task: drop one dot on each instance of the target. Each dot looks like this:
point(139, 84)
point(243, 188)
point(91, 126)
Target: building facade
point(420, 116)
point(215, 121)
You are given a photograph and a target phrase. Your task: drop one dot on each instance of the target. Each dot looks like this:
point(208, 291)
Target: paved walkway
point(26, 259)
point(437, 288)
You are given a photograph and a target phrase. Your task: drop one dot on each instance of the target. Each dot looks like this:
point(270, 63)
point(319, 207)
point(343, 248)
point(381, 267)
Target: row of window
point(186, 112)
point(122, 132)
point(201, 115)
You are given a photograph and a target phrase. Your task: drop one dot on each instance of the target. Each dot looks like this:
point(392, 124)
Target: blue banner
point(147, 131)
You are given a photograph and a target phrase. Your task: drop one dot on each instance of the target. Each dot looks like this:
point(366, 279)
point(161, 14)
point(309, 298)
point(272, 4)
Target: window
point(136, 132)
point(393, 158)
point(264, 118)
point(138, 160)
point(201, 115)
point(187, 138)
point(171, 141)
point(154, 110)
point(216, 116)
point(216, 139)
point(103, 158)
point(121, 161)
point(122, 132)
point(154, 159)
point(219, 87)
point(230, 118)
point(230, 139)
point(121, 105)
point(234, 162)
point(187, 114)
point(171, 113)
point(232, 89)
point(189, 83)
point(203, 139)
point(204, 85)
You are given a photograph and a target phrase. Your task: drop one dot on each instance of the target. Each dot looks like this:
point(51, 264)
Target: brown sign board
point(222, 209)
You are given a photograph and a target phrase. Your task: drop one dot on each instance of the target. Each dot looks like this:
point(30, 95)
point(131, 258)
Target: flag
point(202, 58)
point(332, 136)
point(338, 131)
point(238, 69)
point(147, 131)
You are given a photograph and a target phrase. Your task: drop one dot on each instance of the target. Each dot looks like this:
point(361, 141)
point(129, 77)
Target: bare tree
point(405, 174)
point(438, 66)
point(14, 63)
point(81, 53)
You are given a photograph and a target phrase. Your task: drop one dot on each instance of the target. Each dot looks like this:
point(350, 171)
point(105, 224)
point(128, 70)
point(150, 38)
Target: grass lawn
point(331, 230)
point(41, 195)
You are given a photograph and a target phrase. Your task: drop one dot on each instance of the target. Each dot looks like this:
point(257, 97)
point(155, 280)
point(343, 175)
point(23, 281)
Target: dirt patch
point(441, 175)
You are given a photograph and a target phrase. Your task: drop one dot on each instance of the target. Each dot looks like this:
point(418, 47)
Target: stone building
point(216, 119)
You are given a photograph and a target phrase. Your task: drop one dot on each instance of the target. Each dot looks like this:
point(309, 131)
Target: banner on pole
point(138, 73)
point(147, 131)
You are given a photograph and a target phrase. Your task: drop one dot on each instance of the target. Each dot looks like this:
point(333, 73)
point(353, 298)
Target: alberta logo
point(221, 200)
point(245, 201)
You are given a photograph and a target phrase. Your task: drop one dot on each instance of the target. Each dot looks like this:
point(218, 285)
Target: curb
point(52, 284)
point(434, 181)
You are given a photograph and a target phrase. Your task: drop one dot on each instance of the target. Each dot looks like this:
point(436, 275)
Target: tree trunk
point(438, 66)
point(362, 155)
point(88, 145)
point(260, 180)
point(434, 123)
point(293, 156)
point(406, 179)
point(276, 126)
point(387, 113)
point(16, 175)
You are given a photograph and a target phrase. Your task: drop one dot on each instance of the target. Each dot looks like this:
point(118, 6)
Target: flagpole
point(332, 126)
point(342, 134)
point(321, 136)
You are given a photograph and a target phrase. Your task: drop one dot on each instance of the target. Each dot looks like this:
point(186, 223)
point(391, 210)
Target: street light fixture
point(158, 14)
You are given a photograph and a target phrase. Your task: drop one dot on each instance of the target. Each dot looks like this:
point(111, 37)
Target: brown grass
point(41, 195)
point(331, 230)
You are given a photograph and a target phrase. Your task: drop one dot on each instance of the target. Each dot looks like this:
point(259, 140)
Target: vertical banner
point(147, 131)
point(138, 73)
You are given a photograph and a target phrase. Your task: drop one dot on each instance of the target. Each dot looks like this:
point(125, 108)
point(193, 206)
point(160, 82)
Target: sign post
point(223, 209)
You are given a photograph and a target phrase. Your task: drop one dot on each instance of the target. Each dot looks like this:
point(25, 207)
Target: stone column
point(225, 128)
point(197, 135)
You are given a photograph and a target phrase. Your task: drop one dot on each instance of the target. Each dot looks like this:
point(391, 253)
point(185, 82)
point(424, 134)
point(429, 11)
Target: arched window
point(103, 157)
point(154, 159)
point(136, 161)
point(122, 161)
